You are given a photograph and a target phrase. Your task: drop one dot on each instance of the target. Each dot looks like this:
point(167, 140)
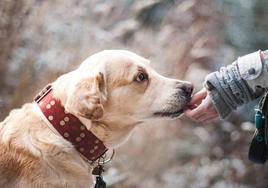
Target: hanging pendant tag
point(97, 171)
point(100, 183)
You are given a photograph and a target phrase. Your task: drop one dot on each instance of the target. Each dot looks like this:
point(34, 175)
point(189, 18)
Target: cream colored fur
point(105, 95)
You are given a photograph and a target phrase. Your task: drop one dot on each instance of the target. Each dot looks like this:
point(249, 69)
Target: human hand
point(201, 108)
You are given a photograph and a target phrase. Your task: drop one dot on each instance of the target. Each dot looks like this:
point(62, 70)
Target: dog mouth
point(171, 114)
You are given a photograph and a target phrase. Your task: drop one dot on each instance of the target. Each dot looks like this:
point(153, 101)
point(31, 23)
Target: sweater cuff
point(218, 101)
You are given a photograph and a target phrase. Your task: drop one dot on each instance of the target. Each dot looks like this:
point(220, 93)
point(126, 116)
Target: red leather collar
point(69, 126)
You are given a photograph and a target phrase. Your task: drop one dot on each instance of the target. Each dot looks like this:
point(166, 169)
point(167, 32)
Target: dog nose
point(188, 88)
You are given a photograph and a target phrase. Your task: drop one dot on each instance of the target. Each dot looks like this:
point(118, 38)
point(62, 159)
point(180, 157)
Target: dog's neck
point(111, 134)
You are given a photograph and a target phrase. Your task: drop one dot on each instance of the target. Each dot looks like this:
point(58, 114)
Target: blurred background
point(184, 39)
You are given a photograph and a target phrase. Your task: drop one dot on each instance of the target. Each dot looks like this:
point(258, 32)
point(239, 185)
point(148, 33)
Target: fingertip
point(190, 114)
point(187, 112)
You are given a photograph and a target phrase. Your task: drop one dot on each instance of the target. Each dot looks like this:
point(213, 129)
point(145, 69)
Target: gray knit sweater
point(238, 83)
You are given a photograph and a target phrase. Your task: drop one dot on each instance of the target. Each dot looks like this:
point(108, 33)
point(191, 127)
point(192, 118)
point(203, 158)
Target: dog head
point(119, 86)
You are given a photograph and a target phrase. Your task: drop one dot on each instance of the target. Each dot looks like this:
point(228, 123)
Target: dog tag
point(97, 171)
point(100, 183)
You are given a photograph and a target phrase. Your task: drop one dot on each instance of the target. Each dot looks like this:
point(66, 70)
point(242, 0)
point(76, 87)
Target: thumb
point(198, 97)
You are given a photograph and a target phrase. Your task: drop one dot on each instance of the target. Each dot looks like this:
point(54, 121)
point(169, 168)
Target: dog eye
point(141, 77)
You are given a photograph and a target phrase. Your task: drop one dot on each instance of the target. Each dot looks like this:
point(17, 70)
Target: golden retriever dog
point(110, 93)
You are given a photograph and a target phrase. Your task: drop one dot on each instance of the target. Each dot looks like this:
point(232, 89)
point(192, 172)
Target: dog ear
point(87, 97)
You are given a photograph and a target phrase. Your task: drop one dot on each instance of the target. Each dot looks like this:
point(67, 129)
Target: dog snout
point(187, 88)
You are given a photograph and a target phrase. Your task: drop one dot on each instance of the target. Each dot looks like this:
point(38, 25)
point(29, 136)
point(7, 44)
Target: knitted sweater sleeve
point(238, 83)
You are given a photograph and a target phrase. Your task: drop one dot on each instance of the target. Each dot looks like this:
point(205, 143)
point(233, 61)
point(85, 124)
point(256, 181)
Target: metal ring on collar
point(107, 160)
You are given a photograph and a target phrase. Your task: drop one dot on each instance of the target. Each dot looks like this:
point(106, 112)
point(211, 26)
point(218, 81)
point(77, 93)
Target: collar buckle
point(43, 93)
